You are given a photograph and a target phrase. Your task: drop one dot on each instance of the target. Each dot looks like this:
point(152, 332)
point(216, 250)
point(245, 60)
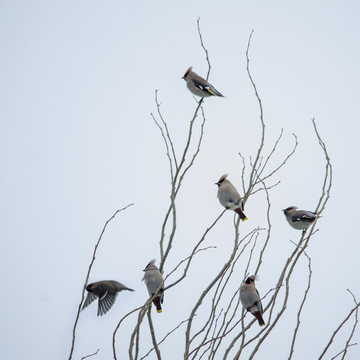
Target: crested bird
point(250, 299)
point(229, 197)
point(199, 86)
point(154, 283)
point(106, 291)
point(299, 219)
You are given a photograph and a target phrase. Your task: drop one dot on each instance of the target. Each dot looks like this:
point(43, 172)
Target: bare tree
point(221, 330)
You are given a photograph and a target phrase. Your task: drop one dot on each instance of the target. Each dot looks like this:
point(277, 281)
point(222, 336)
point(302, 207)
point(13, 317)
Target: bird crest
point(221, 180)
point(251, 279)
point(290, 208)
point(150, 265)
point(187, 72)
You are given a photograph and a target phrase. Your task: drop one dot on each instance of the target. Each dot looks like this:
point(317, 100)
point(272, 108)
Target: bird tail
point(259, 317)
point(157, 303)
point(214, 92)
point(241, 214)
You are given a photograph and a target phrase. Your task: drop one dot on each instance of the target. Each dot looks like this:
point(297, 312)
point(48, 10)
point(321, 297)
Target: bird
point(250, 299)
point(229, 197)
point(106, 291)
point(199, 86)
point(154, 283)
point(299, 219)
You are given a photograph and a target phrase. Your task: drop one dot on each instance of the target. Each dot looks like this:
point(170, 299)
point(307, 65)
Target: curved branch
point(87, 277)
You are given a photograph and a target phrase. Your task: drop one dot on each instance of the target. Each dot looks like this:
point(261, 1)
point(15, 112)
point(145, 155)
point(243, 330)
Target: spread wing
point(89, 299)
point(106, 301)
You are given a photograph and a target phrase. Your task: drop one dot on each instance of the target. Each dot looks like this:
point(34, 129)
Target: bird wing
point(89, 299)
point(307, 216)
point(203, 86)
point(106, 301)
point(258, 301)
point(310, 215)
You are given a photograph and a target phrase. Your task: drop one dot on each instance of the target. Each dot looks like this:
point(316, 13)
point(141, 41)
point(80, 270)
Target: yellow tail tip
point(262, 324)
point(159, 311)
point(244, 219)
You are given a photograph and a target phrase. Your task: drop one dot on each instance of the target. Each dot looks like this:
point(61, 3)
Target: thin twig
point(87, 356)
point(87, 278)
point(301, 307)
point(152, 332)
point(203, 46)
point(354, 327)
point(337, 330)
point(164, 338)
point(343, 351)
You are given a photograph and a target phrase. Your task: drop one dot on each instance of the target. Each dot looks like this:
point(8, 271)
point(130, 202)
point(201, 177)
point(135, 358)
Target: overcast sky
point(77, 142)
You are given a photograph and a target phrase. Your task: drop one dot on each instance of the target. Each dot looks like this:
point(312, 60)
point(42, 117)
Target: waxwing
point(106, 291)
point(154, 283)
point(199, 86)
point(250, 299)
point(299, 219)
point(229, 197)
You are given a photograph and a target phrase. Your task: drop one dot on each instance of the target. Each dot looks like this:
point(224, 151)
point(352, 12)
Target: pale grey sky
point(77, 142)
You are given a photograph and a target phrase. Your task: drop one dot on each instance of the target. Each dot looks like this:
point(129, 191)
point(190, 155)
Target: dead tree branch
point(87, 277)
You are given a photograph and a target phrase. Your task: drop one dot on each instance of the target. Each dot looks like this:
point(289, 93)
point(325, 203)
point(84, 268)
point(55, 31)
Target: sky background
point(77, 142)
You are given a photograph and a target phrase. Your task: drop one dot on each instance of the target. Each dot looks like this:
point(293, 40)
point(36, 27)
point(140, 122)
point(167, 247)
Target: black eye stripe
point(249, 280)
point(187, 73)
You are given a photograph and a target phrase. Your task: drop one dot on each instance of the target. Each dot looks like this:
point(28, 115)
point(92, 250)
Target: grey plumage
point(299, 219)
point(106, 291)
point(250, 299)
point(153, 280)
point(229, 197)
point(199, 86)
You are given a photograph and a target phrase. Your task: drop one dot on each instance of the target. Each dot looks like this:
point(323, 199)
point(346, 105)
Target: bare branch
point(165, 337)
point(338, 329)
point(343, 351)
point(87, 278)
point(301, 307)
point(203, 46)
point(347, 345)
point(258, 156)
point(223, 329)
point(168, 137)
point(152, 332)
point(87, 356)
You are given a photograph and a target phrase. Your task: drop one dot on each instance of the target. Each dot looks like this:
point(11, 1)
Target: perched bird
point(154, 280)
point(299, 219)
point(106, 291)
point(199, 86)
point(229, 197)
point(250, 299)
